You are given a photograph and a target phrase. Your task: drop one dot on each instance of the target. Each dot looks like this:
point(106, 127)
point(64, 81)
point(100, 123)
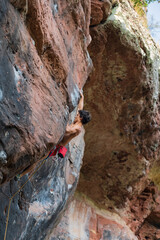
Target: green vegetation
point(143, 3)
point(149, 1)
point(141, 6)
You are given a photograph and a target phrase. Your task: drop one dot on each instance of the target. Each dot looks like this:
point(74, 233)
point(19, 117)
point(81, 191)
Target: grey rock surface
point(37, 207)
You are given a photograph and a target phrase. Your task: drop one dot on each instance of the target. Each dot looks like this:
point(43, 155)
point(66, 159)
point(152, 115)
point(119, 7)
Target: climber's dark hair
point(85, 115)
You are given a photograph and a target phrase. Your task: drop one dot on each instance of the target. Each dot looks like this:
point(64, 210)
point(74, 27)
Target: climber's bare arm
point(73, 129)
point(81, 102)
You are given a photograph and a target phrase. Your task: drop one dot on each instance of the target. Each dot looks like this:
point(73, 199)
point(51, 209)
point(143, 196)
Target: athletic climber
point(72, 131)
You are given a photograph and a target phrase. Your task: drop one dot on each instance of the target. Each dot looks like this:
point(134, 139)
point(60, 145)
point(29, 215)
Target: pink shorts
point(61, 151)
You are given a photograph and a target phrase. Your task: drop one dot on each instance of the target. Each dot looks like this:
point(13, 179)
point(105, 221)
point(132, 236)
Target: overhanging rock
point(122, 94)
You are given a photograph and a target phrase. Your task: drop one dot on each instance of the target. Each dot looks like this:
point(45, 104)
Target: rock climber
point(72, 131)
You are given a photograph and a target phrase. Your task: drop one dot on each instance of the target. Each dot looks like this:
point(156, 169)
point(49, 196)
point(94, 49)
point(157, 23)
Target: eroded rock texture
point(142, 215)
point(83, 220)
point(123, 141)
point(37, 208)
point(43, 64)
point(124, 98)
point(123, 95)
point(41, 74)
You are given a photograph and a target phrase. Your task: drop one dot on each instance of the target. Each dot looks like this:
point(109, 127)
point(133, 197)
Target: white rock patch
point(1, 95)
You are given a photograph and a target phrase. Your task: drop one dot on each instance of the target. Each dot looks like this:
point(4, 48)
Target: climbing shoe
point(17, 177)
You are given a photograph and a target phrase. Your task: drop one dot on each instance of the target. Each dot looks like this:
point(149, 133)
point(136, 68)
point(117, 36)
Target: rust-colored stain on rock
point(83, 221)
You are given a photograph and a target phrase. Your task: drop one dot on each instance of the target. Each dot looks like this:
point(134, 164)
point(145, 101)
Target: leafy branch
point(143, 3)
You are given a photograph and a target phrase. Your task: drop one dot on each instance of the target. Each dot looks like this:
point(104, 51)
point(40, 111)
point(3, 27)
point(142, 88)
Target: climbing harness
point(51, 153)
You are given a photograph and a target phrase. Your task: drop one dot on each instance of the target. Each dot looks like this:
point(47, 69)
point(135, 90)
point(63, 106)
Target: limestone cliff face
point(44, 62)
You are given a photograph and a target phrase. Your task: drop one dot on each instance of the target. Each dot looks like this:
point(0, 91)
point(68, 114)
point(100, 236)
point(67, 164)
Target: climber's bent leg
point(61, 151)
point(28, 169)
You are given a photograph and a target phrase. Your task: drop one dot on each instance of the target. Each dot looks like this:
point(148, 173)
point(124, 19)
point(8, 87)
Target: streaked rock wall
point(41, 74)
point(44, 62)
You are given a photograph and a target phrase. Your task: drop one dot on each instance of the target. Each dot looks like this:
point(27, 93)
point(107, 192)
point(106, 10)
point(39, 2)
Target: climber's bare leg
point(29, 169)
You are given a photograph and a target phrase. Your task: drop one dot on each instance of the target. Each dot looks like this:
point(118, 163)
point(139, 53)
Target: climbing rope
point(10, 198)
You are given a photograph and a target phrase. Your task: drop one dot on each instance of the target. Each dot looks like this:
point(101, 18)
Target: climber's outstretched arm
point(81, 102)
